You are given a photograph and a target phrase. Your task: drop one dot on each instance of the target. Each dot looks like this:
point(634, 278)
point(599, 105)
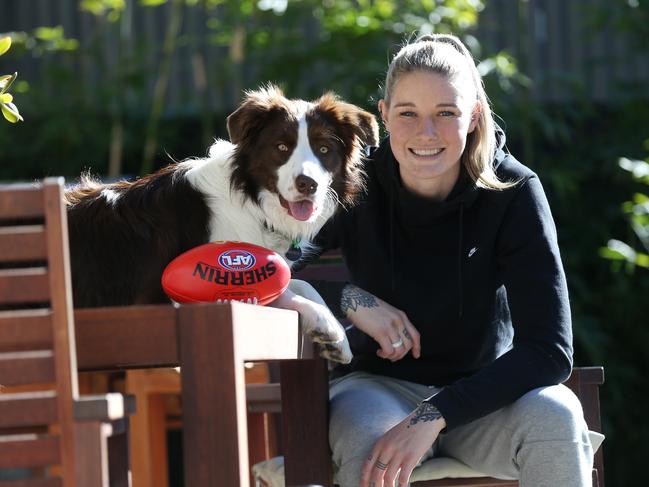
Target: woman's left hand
point(399, 451)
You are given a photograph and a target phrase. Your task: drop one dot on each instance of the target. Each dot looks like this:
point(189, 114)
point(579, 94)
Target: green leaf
point(10, 112)
point(6, 98)
point(639, 169)
point(5, 44)
point(6, 81)
point(643, 260)
point(618, 248)
point(610, 254)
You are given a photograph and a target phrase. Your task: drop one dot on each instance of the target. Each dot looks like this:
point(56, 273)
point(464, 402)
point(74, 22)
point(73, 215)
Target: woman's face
point(428, 119)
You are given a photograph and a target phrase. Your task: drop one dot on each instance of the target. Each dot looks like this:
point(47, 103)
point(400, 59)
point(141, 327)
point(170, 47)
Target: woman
point(458, 282)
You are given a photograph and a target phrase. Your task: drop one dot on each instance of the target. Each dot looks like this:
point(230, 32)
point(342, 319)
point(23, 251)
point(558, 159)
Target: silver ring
point(380, 465)
point(398, 343)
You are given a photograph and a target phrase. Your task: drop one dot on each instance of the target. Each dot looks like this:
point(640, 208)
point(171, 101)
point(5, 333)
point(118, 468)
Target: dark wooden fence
point(553, 41)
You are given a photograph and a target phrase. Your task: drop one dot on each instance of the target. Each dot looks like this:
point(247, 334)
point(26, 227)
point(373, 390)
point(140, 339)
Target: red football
point(236, 271)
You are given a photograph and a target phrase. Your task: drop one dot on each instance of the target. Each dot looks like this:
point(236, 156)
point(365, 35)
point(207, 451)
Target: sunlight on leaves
point(5, 44)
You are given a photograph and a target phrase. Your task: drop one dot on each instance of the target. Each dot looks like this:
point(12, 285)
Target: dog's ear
point(250, 115)
point(362, 123)
point(243, 120)
point(368, 127)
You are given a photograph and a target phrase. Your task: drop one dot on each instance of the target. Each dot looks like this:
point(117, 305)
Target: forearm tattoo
point(425, 413)
point(353, 297)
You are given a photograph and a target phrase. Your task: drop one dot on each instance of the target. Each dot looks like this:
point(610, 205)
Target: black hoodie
point(479, 275)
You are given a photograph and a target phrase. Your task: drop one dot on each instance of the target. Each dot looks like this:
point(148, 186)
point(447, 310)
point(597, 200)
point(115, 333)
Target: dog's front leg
point(317, 321)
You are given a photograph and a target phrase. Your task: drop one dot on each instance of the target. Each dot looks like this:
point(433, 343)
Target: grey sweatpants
point(541, 439)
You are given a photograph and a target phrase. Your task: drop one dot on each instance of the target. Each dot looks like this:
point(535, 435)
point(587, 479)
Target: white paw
point(336, 352)
point(320, 325)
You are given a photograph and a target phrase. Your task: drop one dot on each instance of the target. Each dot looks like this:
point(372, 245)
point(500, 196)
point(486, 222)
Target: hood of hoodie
point(415, 211)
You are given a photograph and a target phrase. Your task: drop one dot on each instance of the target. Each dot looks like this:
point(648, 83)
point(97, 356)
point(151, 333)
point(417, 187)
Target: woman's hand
point(389, 326)
point(401, 449)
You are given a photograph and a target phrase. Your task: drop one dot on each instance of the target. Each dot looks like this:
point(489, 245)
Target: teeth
point(426, 152)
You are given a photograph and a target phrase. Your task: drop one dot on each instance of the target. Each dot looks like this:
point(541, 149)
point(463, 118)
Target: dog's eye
point(282, 147)
point(324, 149)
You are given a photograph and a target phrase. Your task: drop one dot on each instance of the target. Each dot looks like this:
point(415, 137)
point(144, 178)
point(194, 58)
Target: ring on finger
point(398, 343)
point(380, 465)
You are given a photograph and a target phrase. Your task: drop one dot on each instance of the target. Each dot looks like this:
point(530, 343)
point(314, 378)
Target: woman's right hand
point(383, 322)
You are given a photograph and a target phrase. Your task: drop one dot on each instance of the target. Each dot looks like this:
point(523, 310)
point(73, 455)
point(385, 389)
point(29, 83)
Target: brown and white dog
point(289, 166)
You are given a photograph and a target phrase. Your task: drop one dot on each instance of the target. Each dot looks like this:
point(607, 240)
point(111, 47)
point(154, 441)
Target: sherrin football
point(233, 271)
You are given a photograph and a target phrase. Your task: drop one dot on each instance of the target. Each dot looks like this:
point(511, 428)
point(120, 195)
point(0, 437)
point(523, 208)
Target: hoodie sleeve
point(327, 239)
point(532, 273)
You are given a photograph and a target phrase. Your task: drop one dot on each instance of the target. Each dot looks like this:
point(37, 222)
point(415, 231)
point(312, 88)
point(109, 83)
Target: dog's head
point(298, 160)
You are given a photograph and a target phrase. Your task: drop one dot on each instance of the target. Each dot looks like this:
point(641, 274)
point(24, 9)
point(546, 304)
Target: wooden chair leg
point(139, 438)
point(118, 455)
point(92, 453)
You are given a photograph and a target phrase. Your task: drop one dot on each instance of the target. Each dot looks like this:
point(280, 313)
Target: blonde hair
point(446, 55)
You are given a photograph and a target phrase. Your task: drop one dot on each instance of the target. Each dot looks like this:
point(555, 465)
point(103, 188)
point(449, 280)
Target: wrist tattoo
point(353, 297)
point(425, 413)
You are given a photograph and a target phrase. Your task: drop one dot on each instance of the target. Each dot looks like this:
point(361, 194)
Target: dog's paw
point(336, 352)
point(320, 325)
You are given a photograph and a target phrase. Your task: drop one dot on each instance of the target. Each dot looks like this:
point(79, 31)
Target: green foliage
point(576, 161)
point(637, 213)
point(8, 108)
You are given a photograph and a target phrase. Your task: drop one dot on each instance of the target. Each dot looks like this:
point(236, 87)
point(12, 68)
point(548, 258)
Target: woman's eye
point(324, 149)
point(407, 114)
point(446, 113)
point(282, 147)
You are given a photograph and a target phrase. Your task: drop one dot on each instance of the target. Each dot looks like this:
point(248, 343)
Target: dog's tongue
point(301, 210)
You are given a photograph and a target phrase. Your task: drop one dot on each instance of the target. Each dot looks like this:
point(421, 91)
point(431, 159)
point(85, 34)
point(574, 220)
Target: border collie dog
point(289, 166)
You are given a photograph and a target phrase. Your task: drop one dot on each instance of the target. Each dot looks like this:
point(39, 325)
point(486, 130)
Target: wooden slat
point(29, 285)
point(60, 286)
point(265, 333)
point(264, 398)
point(26, 451)
point(207, 342)
point(17, 368)
point(20, 201)
point(590, 375)
point(305, 387)
point(126, 337)
point(121, 337)
point(103, 407)
point(27, 409)
point(37, 482)
point(22, 243)
point(25, 330)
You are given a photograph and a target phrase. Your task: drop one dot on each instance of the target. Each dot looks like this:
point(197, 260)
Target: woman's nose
point(428, 127)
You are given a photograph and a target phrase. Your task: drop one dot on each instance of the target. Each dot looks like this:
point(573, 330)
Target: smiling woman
point(452, 253)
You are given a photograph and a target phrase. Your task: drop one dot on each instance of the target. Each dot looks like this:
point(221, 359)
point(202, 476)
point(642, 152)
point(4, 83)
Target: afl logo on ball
point(237, 260)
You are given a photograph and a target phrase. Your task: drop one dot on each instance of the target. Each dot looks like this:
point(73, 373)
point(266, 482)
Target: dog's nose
point(305, 184)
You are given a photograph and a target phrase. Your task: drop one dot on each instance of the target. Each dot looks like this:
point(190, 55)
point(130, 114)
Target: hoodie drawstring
point(459, 261)
point(391, 230)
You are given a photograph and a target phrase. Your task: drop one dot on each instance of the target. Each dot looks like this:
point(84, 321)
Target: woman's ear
point(383, 110)
point(475, 116)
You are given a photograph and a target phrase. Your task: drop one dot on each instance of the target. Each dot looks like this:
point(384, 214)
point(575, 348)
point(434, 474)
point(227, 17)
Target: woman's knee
point(361, 412)
point(551, 413)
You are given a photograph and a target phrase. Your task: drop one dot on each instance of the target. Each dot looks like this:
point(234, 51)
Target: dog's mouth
point(301, 210)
